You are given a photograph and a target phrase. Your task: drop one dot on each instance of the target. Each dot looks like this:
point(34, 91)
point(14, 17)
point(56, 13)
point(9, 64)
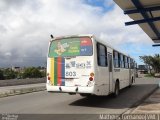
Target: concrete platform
point(150, 106)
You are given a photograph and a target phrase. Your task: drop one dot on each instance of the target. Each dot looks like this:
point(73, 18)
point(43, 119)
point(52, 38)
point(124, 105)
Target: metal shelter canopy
point(145, 13)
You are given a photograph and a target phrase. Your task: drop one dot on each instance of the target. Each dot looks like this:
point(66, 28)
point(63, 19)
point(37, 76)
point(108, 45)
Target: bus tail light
point(91, 78)
point(48, 77)
point(92, 74)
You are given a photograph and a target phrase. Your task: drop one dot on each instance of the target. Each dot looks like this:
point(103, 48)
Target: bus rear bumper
point(66, 89)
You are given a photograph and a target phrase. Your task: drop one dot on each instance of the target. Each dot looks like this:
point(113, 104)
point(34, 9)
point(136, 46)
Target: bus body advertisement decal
point(71, 47)
point(86, 41)
point(52, 71)
point(63, 71)
point(55, 71)
point(59, 70)
point(85, 50)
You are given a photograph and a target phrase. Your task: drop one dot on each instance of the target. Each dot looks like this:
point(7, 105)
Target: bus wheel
point(116, 90)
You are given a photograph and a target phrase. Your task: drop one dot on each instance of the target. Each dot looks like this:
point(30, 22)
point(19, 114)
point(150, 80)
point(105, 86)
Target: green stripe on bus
point(55, 71)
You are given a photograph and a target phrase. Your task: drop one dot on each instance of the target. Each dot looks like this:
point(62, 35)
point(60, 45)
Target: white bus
point(86, 65)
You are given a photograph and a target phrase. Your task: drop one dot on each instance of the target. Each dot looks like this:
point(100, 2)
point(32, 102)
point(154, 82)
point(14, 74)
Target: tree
point(153, 61)
point(147, 61)
point(1, 75)
point(32, 72)
point(9, 74)
point(156, 63)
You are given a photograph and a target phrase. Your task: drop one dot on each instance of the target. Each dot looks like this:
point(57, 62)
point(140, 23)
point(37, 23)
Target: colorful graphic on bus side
point(71, 47)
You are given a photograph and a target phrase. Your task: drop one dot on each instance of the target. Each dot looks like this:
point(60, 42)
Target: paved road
point(56, 103)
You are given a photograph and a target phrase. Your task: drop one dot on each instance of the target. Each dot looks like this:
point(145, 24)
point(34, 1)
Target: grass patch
point(149, 75)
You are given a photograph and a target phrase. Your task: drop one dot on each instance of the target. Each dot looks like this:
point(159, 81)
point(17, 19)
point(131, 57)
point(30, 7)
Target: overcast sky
point(26, 26)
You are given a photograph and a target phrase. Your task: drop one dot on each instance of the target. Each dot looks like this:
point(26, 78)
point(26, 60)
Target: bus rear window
point(78, 46)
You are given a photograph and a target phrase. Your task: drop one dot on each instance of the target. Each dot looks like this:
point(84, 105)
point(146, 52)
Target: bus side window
point(101, 55)
point(122, 61)
point(116, 59)
point(132, 64)
point(129, 61)
point(126, 62)
point(119, 60)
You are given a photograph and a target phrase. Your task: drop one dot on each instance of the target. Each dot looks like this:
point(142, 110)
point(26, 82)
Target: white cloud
point(26, 26)
point(8, 54)
point(108, 3)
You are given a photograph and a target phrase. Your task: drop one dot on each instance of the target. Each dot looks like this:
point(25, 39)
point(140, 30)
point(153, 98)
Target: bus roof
point(108, 45)
point(71, 36)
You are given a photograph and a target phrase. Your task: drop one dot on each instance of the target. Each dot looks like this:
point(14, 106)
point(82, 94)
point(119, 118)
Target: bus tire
point(116, 89)
point(85, 95)
point(71, 93)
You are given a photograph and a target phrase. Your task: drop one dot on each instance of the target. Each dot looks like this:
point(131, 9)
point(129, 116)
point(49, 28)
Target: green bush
point(9, 74)
point(32, 72)
point(1, 75)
